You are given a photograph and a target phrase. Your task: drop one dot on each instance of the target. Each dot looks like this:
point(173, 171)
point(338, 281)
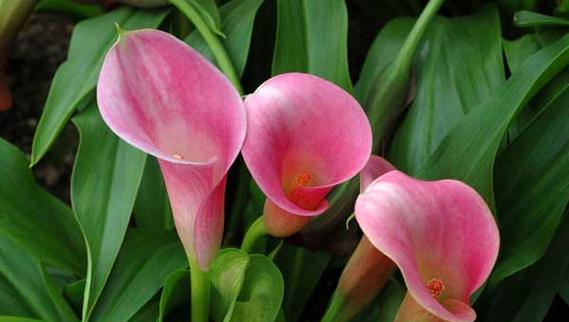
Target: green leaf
point(227, 275)
point(16, 319)
point(245, 288)
point(382, 52)
point(104, 183)
point(70, 7)
point(149, 313)
point(262, 292)
point(152, 206)
point(73, 293)
point(517, 51)
point(304, 42)
point(37, 221)
point(302, 270)
point(458, 67)
point(385, 306)
point(527, 296)
point(76, 78)
point(468, 152)
point(532, 187)
point(533, 19)
point(176, 293)
point(25, 287)
point(208, 10)
point(146, 259)
point(237, 19)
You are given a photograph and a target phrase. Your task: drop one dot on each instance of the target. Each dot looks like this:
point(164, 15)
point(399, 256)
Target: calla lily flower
point(368, 269)
point(305, 136)
point(441, 235)
point(161, 96)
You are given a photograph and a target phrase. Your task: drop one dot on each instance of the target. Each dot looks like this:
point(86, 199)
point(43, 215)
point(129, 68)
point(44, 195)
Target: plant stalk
point(212, 40)
point(391, 89)
point(255, 232)
point(199, 289)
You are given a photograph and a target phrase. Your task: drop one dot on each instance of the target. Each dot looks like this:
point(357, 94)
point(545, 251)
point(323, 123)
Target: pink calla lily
point(161, 96)
point(368, 269)
point(441, 235)
point(305, 136)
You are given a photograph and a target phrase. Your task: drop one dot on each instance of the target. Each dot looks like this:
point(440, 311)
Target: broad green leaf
point(146, 259)
point(302, 270)
point(176, 293)
point(458, 67)
point(210, 13)
point(25, 288)
point(149, 313)
point(517, 51)
point(312, 37)
point(104, 183)
point(70, 7)
point(385, 306)
point(532, 187)
point(76, 78)
point(152, 206)
point(382, 52)
point(17, 319)
point(527, 296)
point(73, 293)
point(227, 275)
point(468, 152)
point(237, 19)
point(533, 19)
point(262, 292)
point(37, 221)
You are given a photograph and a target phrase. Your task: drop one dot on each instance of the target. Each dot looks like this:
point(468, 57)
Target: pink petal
point(161, 96)
point(410, 310)
point(439, 230)
point(376, 167)
point(301, 124)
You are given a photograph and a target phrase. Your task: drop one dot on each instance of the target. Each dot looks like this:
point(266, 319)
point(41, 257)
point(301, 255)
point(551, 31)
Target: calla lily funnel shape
point(441, 235)
point(368, 269)
point(161, 96)
point(305, 135)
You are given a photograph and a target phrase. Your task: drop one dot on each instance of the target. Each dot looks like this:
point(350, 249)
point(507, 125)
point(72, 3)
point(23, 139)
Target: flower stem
point(199, 288)
point(221, 56)
point(335, 311)
point(256, 231)
point(391, 88)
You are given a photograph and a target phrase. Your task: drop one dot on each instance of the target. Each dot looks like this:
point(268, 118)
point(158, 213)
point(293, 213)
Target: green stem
point(407, 51)
point(221, 56)
point(199, 288)
point(335, 311)
point(254, 233)
point(13, 14)
point(391, 88)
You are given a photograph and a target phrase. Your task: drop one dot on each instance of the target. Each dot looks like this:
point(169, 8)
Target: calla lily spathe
point(368, 269)
point(305, 136)
point(441, 235)
point(161, 96)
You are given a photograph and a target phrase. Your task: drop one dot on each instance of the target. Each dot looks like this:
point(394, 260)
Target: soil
point(33, 58)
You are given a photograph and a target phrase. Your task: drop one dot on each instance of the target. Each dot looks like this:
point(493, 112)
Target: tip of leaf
point(120, 31)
